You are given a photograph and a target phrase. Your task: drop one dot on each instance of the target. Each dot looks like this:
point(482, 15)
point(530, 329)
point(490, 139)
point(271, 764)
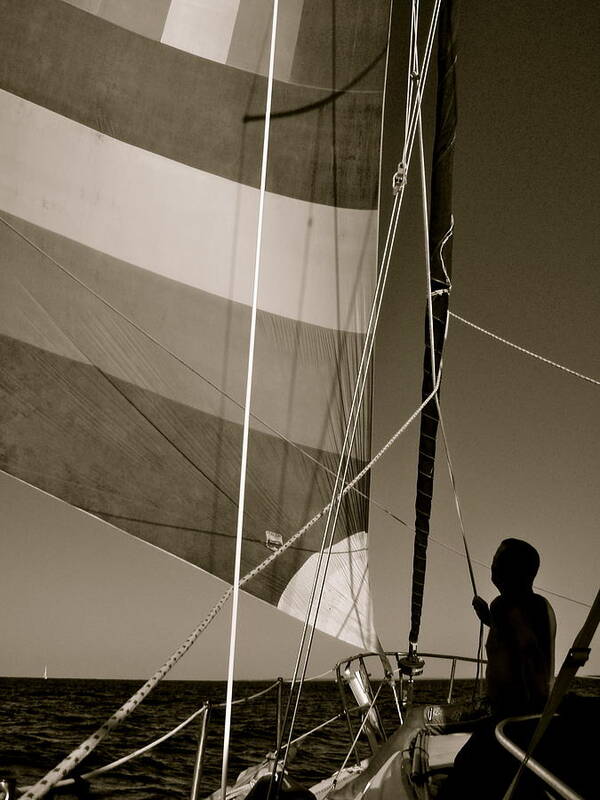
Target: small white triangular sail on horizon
point(130, 163)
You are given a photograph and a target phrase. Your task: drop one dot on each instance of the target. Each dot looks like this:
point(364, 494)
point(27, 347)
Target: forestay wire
point(247, 404)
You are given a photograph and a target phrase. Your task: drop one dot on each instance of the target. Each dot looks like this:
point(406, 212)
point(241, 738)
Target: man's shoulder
point(545, 606)
point(501, 609)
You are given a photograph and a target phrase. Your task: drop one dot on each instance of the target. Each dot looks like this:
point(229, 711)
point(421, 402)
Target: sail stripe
point(296, 367)
point(146, 17)
point(172, 103)
point(131, 167)
point(347, 567)
point(204, 29)
point(236, 33)
point(187, 225)
point(81, 419)
point(248, 48)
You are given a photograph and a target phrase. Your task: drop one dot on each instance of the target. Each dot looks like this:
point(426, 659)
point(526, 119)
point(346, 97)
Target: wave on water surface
point(43, 720)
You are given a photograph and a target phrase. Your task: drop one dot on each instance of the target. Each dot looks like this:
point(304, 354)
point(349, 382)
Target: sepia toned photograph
point(299, 399)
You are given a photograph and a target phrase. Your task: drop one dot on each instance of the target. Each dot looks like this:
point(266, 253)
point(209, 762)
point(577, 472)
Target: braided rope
point(524, 350)
point(43, 786)
point(165, 737)
point(62, 769)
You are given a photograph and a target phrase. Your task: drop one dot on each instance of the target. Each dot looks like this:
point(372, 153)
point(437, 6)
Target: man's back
point(520, 651)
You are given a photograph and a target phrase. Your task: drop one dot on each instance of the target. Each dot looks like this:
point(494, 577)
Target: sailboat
point(46, 672)
point(195, 248)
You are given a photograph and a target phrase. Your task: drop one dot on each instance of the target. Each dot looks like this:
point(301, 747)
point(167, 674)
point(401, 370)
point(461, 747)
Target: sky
point(89, 601)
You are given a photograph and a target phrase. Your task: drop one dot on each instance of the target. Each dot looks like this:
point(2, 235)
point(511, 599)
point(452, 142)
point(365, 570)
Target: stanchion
point(195, 793)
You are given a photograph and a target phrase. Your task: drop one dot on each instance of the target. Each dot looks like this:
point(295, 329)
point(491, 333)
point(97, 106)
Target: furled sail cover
point(130, 160)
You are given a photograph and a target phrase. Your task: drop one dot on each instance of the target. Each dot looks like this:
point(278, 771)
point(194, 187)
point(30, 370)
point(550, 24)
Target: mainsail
point(131, 142)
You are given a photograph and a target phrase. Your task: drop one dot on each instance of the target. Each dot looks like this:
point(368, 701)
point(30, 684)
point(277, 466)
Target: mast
point(440, 250)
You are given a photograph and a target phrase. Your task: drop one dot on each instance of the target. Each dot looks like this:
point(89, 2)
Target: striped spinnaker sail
point(130, 160)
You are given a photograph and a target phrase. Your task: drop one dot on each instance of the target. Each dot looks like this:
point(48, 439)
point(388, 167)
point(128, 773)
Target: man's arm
point(482, 610)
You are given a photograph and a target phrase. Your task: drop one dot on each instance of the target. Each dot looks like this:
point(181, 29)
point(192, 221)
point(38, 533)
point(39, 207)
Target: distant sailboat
point(45, 672)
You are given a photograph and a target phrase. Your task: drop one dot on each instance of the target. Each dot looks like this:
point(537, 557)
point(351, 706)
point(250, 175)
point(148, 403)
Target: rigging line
point(103, 517)
point(130, 756)
point(424, 209)
point(336, 500)
point(345, 456)
point(524, 350)
point(456, 500)
point(421, 78)
point(246, 429)
point(85, 748)
point(375, 308)
point(441, 184)
point(412, 77)
point(173, 732)
point(158, 343)
point(393, 224)
point(464, 537)
point(411, 72)
point(445, 239)
point(356, 479)
point(45, 784)
point(383, 110)
point(355, 740)
point(181, 361)
point(113, 383)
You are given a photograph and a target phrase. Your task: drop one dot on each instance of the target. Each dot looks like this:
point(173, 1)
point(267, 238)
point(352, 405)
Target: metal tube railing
point(340, 683)
point(195, 792)
point(538, 769)
point(346, 712)
point(451, 687)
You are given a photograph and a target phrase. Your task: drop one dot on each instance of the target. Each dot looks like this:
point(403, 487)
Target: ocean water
point(43, 720)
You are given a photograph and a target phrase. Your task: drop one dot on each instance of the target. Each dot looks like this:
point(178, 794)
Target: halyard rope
point(247, 403)
point(525, 351)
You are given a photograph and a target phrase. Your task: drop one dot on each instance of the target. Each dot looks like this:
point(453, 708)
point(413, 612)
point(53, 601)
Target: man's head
point(515, 565)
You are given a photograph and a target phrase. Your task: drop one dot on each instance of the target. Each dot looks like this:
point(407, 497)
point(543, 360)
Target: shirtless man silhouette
point(519, 674)
point(520, 644)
